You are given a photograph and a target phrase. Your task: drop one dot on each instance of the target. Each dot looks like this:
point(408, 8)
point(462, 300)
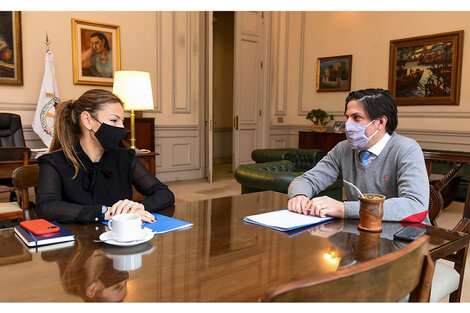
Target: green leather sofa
point(276, 168)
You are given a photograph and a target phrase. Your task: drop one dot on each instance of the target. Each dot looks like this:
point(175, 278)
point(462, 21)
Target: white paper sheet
point(284, 219)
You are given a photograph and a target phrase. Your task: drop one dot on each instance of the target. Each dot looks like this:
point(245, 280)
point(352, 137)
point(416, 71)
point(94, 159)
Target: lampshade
point(134, 89)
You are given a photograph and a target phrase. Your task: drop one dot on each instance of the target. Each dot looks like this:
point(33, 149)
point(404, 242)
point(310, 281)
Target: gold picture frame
point(96, 52)
point(426, 70)
point(334, 73)
point(11, 55)
point(339, 126)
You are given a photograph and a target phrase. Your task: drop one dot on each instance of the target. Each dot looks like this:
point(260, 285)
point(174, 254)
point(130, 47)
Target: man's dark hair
point(102, 37)
point(377, 103)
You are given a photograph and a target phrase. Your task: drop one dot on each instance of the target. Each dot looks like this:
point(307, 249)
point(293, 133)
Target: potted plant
point(319, 119)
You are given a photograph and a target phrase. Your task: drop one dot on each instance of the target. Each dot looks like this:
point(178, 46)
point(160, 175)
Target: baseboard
point(171, 176)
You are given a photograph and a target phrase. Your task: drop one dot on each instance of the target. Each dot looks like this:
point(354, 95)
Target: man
point(392, 165)
point(98, 57)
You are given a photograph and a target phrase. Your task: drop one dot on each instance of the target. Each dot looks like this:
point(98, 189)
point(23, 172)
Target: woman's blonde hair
point(67, 129)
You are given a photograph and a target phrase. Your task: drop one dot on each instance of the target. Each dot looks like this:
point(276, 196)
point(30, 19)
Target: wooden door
point(248, 86)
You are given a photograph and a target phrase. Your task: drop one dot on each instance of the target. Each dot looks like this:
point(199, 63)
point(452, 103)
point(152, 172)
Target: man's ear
point(383, 122)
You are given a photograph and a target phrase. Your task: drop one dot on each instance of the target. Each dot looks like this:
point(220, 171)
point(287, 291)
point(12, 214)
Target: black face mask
point(109, 136)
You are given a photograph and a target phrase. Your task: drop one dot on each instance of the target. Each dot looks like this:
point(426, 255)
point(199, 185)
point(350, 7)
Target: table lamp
point(135, 90)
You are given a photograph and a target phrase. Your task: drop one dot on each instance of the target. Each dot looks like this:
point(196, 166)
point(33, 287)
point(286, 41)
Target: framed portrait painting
point(426, 70)
point(334, 73)
point(96, 52)
point(11, 57)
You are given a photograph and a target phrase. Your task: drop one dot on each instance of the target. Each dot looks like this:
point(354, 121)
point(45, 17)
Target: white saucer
point(107, 237)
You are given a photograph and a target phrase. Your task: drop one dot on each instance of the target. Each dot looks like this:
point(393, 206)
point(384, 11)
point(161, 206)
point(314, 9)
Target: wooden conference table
point(221, 258)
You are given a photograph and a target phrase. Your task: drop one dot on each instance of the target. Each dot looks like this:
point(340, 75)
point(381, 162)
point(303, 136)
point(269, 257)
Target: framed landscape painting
point(11, 57)
point(426, 70)
point(96, 52)
point(334, 73)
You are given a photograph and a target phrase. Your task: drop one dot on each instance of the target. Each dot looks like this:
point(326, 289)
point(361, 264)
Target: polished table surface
point(221, 258)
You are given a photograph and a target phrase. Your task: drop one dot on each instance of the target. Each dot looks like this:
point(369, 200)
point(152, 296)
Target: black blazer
point(61, 198)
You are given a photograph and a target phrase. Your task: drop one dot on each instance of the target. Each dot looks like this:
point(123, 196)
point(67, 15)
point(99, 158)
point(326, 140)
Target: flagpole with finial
point(47, 43)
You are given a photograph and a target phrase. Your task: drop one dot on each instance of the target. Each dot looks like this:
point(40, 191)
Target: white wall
point(170, 46)
point(166, 44)
point(302, 37)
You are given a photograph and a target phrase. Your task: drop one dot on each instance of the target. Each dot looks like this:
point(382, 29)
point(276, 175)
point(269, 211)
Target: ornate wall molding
point(158, 105)
point(301, 64)
point(12, 107)
point(183, 106)
point(461, 115)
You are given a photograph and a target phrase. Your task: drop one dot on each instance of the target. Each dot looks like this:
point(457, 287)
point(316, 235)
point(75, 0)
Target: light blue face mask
point(356, 134)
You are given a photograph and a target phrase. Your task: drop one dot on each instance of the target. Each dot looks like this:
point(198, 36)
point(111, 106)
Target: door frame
point(208, 146)
point(205, 122)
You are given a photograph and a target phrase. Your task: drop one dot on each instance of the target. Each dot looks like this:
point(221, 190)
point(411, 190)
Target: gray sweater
point(399, 173)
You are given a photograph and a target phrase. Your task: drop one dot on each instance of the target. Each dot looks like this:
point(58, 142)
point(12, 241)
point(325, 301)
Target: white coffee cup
point(127, 262)
point(128, 259)
point(126, 227)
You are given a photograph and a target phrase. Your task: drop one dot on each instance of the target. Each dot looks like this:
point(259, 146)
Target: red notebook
point(40, 226)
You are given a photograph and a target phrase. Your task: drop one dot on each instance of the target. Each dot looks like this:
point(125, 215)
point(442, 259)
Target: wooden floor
point(224, 185)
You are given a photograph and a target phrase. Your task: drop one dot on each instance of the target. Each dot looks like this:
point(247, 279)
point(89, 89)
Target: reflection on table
point(221, 258)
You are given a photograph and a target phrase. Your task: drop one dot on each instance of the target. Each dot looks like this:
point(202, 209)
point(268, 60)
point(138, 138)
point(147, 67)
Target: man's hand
point(299, 204)
point(327, 230)
point(321, 206)
point(326, 206)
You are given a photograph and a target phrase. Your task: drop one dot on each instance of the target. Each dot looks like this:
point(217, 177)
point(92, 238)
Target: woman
point(86, 177)
point(86, 271)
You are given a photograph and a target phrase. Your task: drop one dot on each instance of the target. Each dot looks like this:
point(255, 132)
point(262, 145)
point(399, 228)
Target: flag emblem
point(48, 115)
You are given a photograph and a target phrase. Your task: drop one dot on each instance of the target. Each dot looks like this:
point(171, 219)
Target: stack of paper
point(285, 220)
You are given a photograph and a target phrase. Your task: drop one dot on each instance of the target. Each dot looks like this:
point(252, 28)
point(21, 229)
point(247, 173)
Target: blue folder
point(164, 224)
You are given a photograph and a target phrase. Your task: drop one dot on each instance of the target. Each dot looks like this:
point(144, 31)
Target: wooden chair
point(15, 154)
point(11, 158)
point(436, 201)
point(386, 279)
point(448, 281)
point(23, 178)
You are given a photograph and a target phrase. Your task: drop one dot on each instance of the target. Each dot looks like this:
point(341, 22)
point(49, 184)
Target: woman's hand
point(146, 216)
point(128, 206)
